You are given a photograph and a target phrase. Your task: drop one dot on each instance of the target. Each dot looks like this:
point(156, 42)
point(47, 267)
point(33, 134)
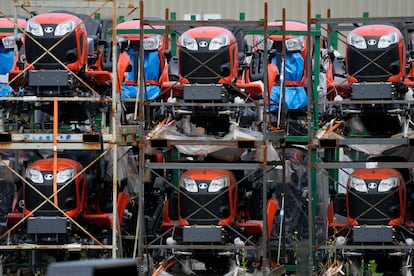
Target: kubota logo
point(372, 42)
point(202, 186)
point(372, 185)
point(49, 176)
point(48, 29)
point(203, 44)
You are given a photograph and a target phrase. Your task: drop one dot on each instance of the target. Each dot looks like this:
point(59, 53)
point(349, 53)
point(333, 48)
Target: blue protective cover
point(295, 65)
point(152, 72)
point(6, 64)
point(295, 96)
point(6, 60)
point(130, 91)
point(151, 65)
point(5, 90)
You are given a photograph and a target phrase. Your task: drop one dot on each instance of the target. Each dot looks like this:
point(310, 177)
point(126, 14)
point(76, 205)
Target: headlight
point(152, 43)
point(357, 41)
point(387, 40)
point(218, 184)
point(295, 43)
point(259, 42)
point(65, 27)
point(188, 42)
point(65, 175)
point(358, 184)
point(189, 184)
point(387, 184)
point(8, 41)
point(34, 28)
point(219, 42)
point(34, 175)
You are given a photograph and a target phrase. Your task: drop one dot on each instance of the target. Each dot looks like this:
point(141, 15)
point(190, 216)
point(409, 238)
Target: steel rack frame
point(335, 30)
point(107, 139)
point(280, 138)
point(134, 135)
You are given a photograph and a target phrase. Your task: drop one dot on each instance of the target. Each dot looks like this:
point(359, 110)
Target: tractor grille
point(217, 65)
point(66, 198)
point(34, 51)
point(361, 63)
point(385, 211)
point(219, 207)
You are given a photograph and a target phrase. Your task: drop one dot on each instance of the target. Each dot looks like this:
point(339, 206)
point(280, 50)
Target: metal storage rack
point(335, 30)
point(249, 27)
point(106, 139)
point(134, 135)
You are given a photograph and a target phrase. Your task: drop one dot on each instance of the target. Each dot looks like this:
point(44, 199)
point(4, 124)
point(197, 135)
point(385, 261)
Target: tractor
point(211, 208)
point(210, 80)
point(374, 211)
point(372, 74)
point(155, 55)
point(290, 80)
point(62, 60)
point(62, 201)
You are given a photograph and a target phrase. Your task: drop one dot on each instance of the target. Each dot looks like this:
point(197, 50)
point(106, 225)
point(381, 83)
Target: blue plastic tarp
point(152, 72)
point(6, 60)
point(295, 65)
point(295, 97)
point(130, 91)
point(6, 64)
point(151, 65)
point(5, 90)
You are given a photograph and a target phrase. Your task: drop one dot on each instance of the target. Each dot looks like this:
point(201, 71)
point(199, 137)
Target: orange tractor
point(376, 210)
point(76, 197)
point(154, 59)
point(10, 50)
point(61, 61)
point(291, 68)
point(375, 68)
point(209, 72)
point(11, 57)
point(155, 55)
point(289, 79)
point(211, 208)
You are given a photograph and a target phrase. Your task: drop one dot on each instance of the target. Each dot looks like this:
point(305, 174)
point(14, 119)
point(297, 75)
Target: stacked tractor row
point(203, 185)
point(60, 82)
point(370, 94)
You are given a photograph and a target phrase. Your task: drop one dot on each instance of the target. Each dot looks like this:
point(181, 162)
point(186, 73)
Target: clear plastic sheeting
point(208, 144)
point(7, 185)
point(370, 149)
point(126, 170)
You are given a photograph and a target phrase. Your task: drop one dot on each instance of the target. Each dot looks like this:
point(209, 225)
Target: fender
point(122, 203)
point(124, 64)
point(272, 211)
